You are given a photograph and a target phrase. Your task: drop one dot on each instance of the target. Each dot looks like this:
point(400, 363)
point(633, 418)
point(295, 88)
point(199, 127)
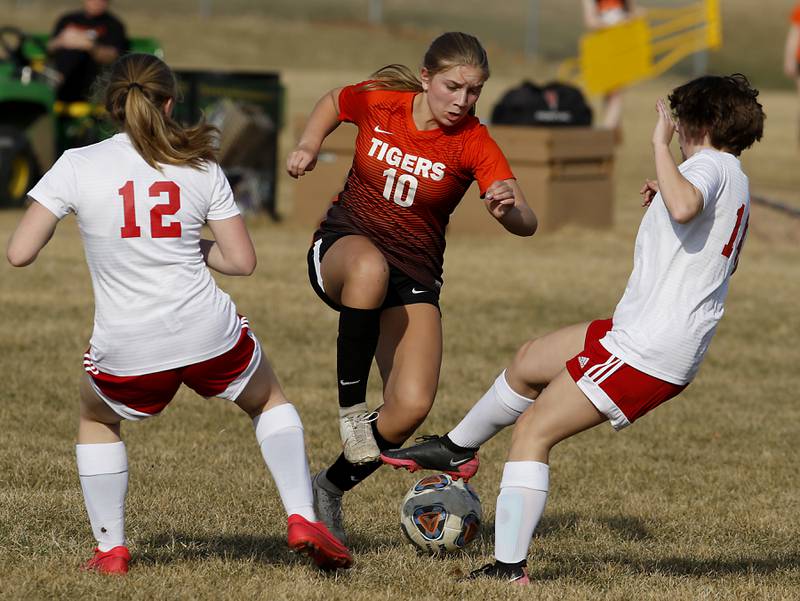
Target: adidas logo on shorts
point(582, 361)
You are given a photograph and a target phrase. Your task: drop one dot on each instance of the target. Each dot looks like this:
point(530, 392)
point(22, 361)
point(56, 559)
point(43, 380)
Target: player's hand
point(499, 198)
point(665, 126)
point(648, 191)
point(300, 161)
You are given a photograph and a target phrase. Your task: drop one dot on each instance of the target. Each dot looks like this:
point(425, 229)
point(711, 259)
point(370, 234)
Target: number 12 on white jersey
point(157, 228)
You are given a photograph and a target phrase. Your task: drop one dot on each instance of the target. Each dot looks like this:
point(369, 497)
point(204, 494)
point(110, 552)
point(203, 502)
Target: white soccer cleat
point(355, 428)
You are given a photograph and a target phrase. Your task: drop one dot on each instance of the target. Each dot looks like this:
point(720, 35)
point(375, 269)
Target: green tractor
point(35, 128)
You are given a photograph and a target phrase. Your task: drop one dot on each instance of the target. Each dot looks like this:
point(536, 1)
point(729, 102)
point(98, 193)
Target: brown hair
point(135, 90)
point(724, 107)
point(450, 49)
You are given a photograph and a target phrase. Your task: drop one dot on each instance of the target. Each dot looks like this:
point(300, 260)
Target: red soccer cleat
point(314, 539)
point(114, 561)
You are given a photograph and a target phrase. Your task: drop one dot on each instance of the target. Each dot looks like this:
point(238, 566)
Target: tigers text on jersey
point(156, 305)
point(675, 296)
point(405, 183)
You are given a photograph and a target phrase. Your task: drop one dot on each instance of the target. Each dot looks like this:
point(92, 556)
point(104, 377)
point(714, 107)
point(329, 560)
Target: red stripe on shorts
point(633, 391)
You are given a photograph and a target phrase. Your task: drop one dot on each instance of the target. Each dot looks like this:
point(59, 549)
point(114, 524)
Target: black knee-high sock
point(346, 475)
point(355, 348)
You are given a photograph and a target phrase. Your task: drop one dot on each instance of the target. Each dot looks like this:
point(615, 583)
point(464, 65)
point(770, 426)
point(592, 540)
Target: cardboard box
point(565, 173)
point(247, 134)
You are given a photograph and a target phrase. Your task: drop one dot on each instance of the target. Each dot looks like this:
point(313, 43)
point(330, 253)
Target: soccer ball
point(439, 514)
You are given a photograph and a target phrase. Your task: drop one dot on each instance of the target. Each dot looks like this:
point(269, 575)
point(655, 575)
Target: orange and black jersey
point(405, 183)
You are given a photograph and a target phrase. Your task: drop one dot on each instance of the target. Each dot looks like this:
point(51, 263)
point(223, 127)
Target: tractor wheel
point(19, 169)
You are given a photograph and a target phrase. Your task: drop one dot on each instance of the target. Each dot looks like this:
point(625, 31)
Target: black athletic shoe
point(433, 453)
point(513, 574)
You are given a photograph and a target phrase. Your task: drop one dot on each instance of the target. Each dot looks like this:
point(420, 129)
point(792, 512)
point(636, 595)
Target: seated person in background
point(81, 43)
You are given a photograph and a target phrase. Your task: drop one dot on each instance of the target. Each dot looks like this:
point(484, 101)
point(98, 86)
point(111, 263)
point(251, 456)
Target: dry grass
point(697, 501)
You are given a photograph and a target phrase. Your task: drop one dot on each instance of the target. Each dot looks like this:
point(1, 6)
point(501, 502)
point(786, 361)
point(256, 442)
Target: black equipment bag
point(553, 105)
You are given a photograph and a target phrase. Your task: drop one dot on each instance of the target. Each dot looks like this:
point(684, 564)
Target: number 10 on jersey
point(398, 187)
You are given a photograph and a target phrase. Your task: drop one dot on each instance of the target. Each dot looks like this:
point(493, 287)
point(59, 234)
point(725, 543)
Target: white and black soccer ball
point(439, 514)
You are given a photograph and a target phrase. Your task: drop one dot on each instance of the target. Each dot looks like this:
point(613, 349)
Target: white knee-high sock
point(103, 471)
point(520, 504)
point(279, 433)
point(498, 408)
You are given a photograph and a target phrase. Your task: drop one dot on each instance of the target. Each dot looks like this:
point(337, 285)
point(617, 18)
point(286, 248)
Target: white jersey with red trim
point(675, 296)
point(157, 306)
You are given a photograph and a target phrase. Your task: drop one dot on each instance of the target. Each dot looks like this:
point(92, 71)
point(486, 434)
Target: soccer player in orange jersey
point(377, 257)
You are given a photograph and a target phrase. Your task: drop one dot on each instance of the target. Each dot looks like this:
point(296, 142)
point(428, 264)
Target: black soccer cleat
point(512, 574)
point(435, 453)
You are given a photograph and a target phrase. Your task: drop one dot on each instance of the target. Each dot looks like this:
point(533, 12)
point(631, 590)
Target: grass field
point(699, 500)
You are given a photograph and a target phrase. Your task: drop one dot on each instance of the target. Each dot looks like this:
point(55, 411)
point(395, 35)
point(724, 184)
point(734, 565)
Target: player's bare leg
point(540, 360)
point(98, 424)
point(409, 357)
point(561, 411)
point(279, 433)
point(103, 472)
point(263, 392)
point(355, 275)
point(612, 118)
point(536, 363)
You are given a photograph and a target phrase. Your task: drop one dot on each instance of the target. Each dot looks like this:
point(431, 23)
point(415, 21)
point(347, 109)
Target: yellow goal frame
point(643, 47)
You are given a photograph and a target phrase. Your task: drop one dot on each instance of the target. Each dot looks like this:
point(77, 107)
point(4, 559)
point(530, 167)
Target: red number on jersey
point(727, 250)
point(739, 246)
point(157, 227)
point(130, 229)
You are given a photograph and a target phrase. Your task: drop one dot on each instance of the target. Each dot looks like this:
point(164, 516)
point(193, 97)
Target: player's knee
point(526, 352)
point(93, 409)
point(411, 407)
point(257, 402)
point(525, 423)
point(416, 412)
point(87, 409)
point(370, 268)
point(252, 407)
point(518, 374)
point(529, 429)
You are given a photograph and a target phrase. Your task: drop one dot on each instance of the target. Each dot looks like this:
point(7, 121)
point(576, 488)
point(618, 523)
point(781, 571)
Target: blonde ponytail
point(394, 77)
point(450, 49)
point(136, 90)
